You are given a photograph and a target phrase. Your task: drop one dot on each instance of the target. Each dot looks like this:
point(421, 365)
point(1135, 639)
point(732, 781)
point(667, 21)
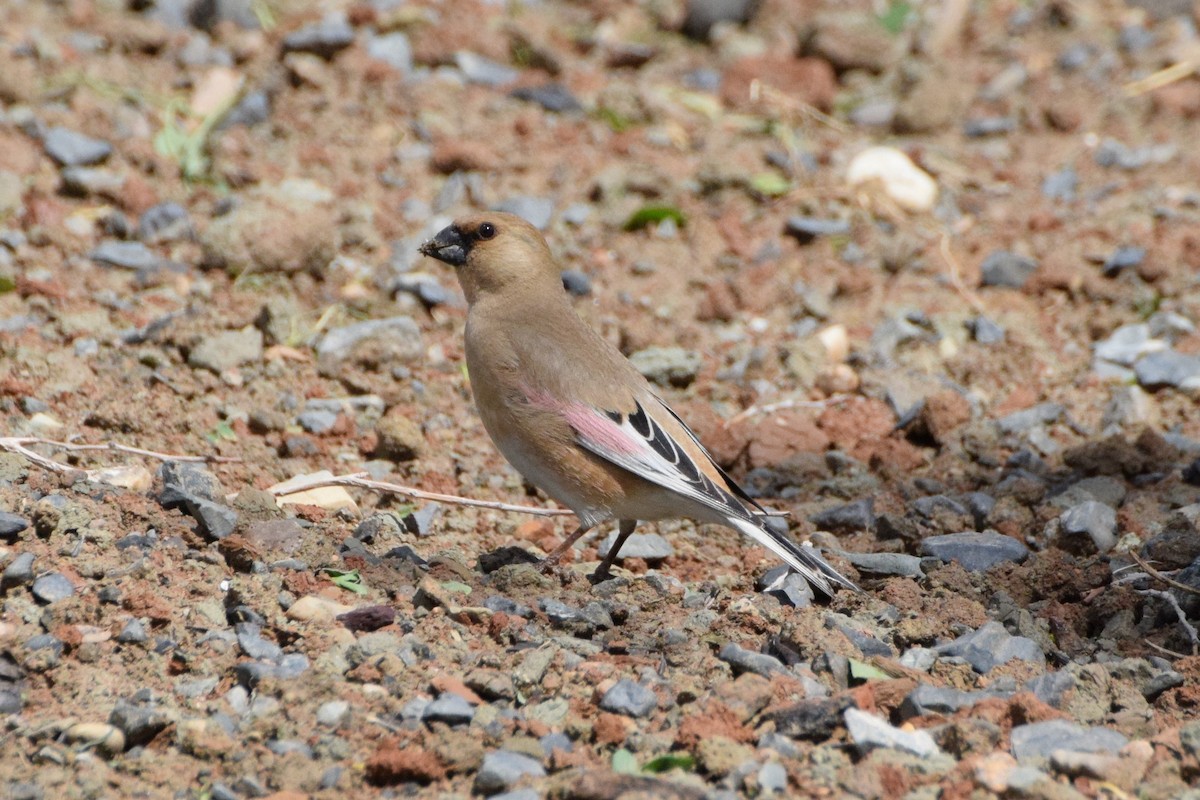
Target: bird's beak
point(449, 246)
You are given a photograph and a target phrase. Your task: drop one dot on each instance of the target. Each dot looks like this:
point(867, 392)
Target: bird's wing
point(638, 442)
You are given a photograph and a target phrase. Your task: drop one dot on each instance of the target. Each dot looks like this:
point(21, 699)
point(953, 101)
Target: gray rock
point(1052, 687)
point(1169, 368)
point(317, 420)
point(1127, 344)
point(333, 713)
point(165, 222)
point(1111, 153)
point(875, 112)
point(252, 643)
point(503, 768)
point(183, 481)
point(866, 643)
point(928, 699)
point(140, 722)
point(215, 520)
point(478, 69)
point(1061, 185)
point(869, 732)
point(392, 49)
point(395, 340)
point(283, 747)
point(253, 109)
point(974, 551)
point(450, 709)
point(227, 349)
point(10, 701)
point(53, 587)
point(806, 229)
point(1093, 519)
point(18, 572)
point(1033, 743)
point(73, 149)
point(134, 632)
point(815, 719)
point(576, 282)
point(856, 516)
point(11, 526)
point(537, 211)
point(772, 778)
point(1002, 268)
point(702, 15)
point(1026, 419)
point(990, 646)
point(786, 586)
point(551, 96)
point(126, 255)
point(743, 660)
point(979, 127)
point(325, 38)
point(85, 181)
point(920, 658)
point(649, 546)
point(672, 366)
point(629, 698)
point(1123, 258)
point(984, 331)
point(518, 794)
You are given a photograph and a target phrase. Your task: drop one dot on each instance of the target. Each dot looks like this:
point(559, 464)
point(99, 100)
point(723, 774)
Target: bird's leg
point(551, 561)
point(623, 533)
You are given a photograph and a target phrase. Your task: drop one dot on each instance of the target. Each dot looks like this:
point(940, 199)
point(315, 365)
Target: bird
point(570, 412)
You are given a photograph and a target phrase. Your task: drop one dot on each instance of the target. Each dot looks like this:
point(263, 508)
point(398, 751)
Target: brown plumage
point(571, 413)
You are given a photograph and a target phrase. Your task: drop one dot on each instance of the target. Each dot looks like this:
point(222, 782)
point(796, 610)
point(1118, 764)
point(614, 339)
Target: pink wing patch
point(592, 426)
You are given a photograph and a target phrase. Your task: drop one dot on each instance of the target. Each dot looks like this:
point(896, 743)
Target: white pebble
point(903, 181)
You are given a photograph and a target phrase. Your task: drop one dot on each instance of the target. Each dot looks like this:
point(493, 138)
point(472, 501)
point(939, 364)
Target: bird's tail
point(803, 559)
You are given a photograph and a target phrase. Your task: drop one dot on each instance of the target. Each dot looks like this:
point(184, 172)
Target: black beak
point(449, 246)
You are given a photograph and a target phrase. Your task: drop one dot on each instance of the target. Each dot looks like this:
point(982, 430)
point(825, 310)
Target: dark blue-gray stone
point(503, 768)
point(73, 149)
point(550, 96)
point(743, 660)
point(52, 588)
point(856, 516)
point(806, 229)
point(450, 709)
point(974, 551)
point(629, 698)
point(11, 526)
point(1002, 268)
point(126, 255)
point(1035, 742)
point(1168, 368)
point(1123, 258)
point(324, 39)
point(990, 646)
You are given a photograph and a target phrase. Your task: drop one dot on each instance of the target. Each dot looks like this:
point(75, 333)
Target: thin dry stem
point(955, 273)
point(783, 405)
point(1183, 587)
point(358, 479)
point(17, 444)
point(1170, 600)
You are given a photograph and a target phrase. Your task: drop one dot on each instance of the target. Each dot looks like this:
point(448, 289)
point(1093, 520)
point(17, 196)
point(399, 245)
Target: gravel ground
point(922, 274)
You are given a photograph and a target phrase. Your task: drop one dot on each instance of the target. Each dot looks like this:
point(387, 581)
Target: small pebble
point(53, 587)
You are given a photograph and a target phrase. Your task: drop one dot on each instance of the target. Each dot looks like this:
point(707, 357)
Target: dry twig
point(1183, 587)
point(956, 277)
point(783, 405)
point(360, 480)
point(1170, 600)
point(19, 445)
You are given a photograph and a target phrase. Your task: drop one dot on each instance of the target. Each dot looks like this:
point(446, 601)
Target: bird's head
point(494, 252)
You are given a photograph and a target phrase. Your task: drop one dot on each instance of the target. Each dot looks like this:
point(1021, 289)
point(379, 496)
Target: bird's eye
point(487, 230)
